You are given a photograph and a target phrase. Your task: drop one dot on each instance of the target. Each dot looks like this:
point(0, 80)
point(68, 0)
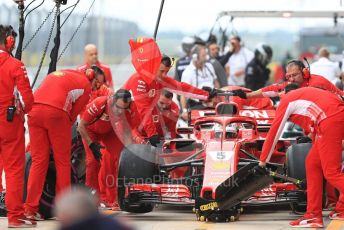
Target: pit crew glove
point(154, 140)
point(259, 170)
point(211, 91)
point(303, 139)
point(95, 147)
point(240, 93)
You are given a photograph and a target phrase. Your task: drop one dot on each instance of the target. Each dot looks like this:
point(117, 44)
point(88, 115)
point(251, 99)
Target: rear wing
point(262, 116)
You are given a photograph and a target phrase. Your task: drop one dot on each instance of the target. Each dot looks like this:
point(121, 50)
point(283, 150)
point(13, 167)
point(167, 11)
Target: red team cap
point(145, 56)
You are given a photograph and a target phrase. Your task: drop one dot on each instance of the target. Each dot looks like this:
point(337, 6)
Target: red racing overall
point(12, 141)
point(314, 81)
point(321, 111)
point(58, 101)
point(102, 131)
point(146, 88)
point(92, 165)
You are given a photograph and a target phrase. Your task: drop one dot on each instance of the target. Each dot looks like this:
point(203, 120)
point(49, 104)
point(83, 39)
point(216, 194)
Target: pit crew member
point(92, 165)
point(58, 101)
point(97, 132)
point(13, 80)
point(296, 73)
point(91, 58)
point(321, 111)
point(150, 78)
point(168, 115)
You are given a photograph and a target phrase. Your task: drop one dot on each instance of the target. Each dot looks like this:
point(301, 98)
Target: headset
point(90, 74)
point(92, 71)
point(9, 40)
point(305, 70)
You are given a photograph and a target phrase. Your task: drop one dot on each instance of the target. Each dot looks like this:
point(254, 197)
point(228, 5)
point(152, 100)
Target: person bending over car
point(92, 165)
point(317, 111)
point(150, 78)
point(298, 74)
point(96, 130)
point(165, 117)
point(58, 101)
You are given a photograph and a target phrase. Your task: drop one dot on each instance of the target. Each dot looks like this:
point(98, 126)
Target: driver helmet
point(231, 131)
point(263, 53)
point(218, 130)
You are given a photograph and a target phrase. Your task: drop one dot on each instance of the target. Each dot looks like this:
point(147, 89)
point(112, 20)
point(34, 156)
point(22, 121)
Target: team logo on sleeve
point(151, 93)
point(141, 86)
point(24, 71)
point(155, 118)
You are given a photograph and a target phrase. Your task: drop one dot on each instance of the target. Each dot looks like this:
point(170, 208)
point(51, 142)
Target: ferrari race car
point(212, 169)
point(215, 168)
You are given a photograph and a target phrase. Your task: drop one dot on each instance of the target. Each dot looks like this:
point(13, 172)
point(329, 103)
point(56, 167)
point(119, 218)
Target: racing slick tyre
point(296, 159)
point(78, 173)
point(137, 165)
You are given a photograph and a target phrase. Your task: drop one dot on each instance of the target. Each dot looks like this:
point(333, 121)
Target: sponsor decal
point(141, 50)
point(141, 90)
point(155, 118)
point(259, 114)
point(247, 133)
point(58, 73)
point(220, 155)
point(139, 40)
point(151, 93)
point(105, 117)
point(210, 206)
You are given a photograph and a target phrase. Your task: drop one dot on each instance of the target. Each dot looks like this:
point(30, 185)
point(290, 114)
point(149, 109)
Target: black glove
point(211, 92)
point(240, 93)
point(259, 170)
point(154, 140)
point(303, 139)
point(95, 147)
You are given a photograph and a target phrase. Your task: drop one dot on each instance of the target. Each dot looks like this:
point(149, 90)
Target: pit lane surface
point(180, 218)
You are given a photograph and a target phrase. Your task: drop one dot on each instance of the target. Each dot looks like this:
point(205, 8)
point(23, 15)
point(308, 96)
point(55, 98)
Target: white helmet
point(231, 131)
point(187, 44)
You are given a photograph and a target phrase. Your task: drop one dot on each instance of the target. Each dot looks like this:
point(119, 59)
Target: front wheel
point(78, 172)
point(137, 165)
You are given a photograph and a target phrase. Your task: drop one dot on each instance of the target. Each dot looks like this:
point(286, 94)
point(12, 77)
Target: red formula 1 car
point(215, 168)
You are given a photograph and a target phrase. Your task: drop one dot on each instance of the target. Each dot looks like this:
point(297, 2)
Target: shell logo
point(139, 40)
point(220, 165)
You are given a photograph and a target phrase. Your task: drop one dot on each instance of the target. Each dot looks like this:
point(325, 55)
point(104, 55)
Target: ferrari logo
point(141, 50)
point(155, 118)
point(58, 73)
point(151, 93)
